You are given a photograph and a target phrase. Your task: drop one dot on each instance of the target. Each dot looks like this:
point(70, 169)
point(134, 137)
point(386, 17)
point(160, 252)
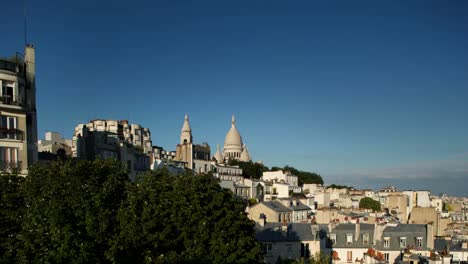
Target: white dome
point(245, 156)
point(233, 137)
point(218, 156)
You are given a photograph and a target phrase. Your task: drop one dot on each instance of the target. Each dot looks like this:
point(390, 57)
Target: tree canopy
point(88, 211)
point(369, 203)
point(305, 176)
point(336, 186)
point(255, 170)
point(249, 169)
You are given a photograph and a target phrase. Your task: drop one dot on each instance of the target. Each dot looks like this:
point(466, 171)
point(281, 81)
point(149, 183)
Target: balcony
point(7, 165)
point(13, 64)
point(11, 133)
point(11, 100)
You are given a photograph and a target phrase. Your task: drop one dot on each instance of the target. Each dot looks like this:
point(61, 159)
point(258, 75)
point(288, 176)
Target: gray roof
point(276, 206)
point(405, 228)
point(342, 230)
point(300, 207)
point(272, 232)
point(352, 227)
point(440, 243)
point(410, 231)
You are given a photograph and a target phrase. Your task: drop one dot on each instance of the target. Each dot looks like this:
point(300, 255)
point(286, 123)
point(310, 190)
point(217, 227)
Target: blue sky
point(368, 93)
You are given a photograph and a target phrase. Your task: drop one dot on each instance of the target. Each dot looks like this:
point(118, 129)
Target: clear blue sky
point(367, 93)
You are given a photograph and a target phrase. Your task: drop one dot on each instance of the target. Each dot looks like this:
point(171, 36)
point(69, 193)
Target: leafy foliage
point(11, 211)
point(89, 212)
point(304, 176)
point(318, 258)
point(336, 186)
point(70, 211)
point(369, 203)
point(175, 219)
point(250, 169)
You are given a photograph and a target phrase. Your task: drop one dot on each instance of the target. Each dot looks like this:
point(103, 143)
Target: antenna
point(25, 24)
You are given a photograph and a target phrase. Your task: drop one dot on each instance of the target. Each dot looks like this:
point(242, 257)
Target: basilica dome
point(245, 156)
point(233, 142)
point(233, 136)
point(218, 156)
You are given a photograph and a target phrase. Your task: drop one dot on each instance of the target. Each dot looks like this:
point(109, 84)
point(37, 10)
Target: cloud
point(439, 176)
point(453, 168)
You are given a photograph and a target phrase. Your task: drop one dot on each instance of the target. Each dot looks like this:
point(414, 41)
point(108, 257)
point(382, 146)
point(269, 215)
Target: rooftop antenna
point(25, 23)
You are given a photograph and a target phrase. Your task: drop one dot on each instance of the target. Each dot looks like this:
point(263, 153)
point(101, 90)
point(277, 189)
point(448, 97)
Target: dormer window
point(365, 238)
point(333, 239)
point(419, 241)
point(349, 239)
point(402, 242)
point(386, 243)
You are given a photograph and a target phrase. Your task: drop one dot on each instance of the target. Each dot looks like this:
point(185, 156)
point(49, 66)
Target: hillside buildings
point(18, 116)
point(118, 139)
point(196, 157)
point(53, 142)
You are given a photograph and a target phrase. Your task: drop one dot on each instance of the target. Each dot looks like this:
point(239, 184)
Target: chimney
point(357, 230)
point(262, 220)
point(430, 236)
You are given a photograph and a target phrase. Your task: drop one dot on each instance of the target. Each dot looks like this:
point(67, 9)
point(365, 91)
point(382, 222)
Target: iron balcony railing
point(11, 100)
point(11, 133)
point(8, 165)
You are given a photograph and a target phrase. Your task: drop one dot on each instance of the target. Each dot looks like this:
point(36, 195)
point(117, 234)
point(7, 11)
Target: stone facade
point(18, 116)
point(103, 139)
point(196, 157)
point(53, 142)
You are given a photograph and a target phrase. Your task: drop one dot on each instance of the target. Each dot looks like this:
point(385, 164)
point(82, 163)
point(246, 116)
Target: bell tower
point(186, 132)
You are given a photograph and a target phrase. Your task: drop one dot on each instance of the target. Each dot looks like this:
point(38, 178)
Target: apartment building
point(18, 116)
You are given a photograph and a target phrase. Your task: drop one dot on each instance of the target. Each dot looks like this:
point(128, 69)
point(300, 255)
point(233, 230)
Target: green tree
point(184, 219)
point(369, 203)
point(249, 169)
point(318, 258)
point(71, 208)
point(303, 176)
point(11, 212)
point(335, 186)
point(89, 212)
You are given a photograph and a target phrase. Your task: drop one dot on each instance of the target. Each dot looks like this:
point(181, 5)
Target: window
point(387, 257)
point(8, 125)
point(9, 158)
point(333, 239)
point(349, 256)
point(365, 238)
point(8, 122)
point(267, 247)
point(402, 242)
point(305, 250)
point(419, 241)
point(386, 243)
point(349, 239)
point(7, 90)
